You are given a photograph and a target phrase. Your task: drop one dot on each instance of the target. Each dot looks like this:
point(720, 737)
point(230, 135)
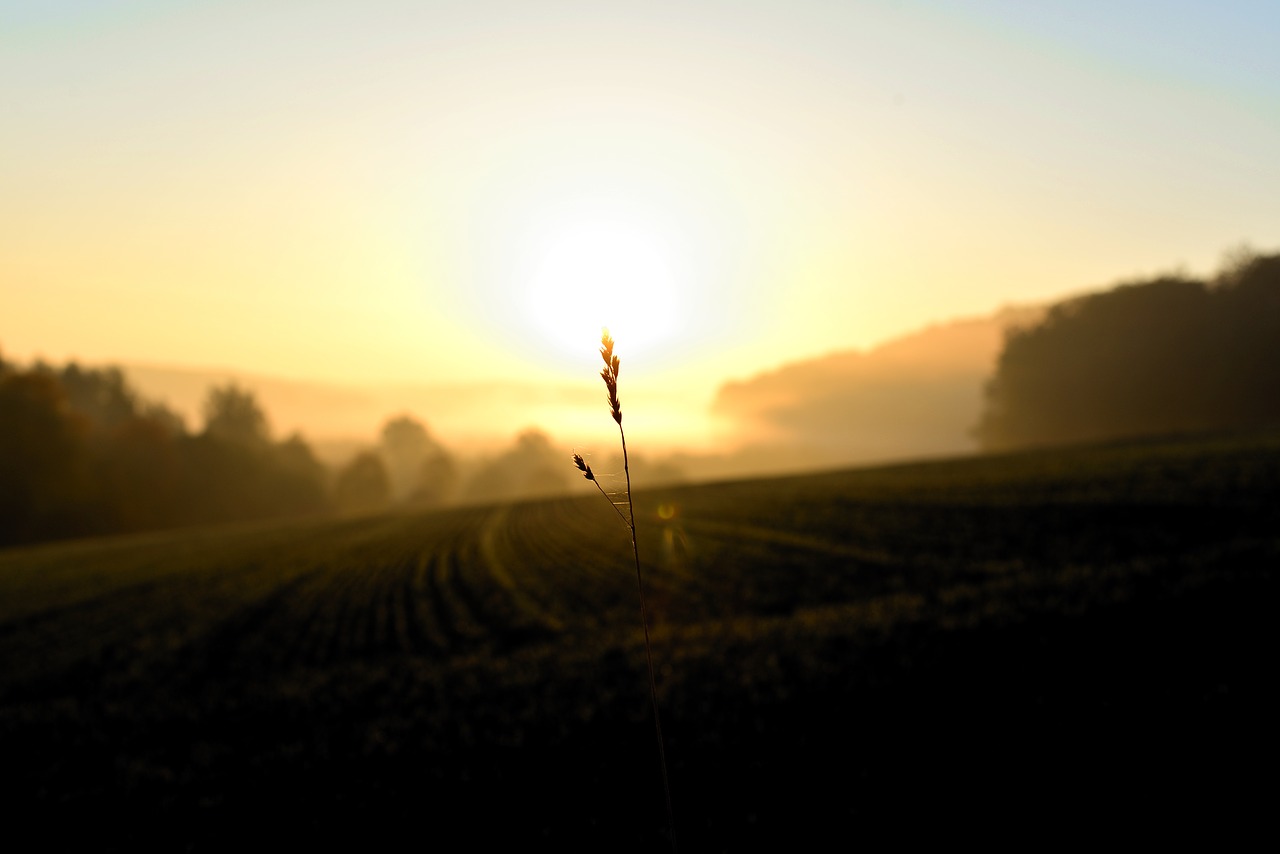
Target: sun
point(598, 271)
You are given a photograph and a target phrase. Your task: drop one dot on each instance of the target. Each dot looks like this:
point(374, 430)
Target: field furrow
point(563, 555)
point(459, 625)
point(535, 604)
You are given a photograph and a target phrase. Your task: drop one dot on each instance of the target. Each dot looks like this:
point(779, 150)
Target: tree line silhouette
point(1170, 354)
point(82, 454)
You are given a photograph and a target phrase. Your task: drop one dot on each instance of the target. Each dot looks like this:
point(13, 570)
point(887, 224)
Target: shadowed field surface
point(998, 649)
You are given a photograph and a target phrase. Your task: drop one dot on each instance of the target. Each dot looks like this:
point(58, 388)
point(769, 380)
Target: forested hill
point(1168, 355)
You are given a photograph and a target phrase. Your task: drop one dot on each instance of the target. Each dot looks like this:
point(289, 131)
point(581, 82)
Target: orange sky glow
point(467, 192)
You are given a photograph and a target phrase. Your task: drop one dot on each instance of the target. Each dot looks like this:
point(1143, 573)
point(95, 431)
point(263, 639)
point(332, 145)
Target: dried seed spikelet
point(583, 467)
point(610, 375)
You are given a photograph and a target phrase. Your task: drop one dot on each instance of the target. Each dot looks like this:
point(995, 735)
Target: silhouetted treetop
point(532, 467)
point(232, 414)
point(363, 485)
point(421, 471)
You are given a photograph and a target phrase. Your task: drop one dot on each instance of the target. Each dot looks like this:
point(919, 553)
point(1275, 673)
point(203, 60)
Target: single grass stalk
point(610, 376)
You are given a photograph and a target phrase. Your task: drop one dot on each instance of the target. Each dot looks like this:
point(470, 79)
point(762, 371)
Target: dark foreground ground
point(1075, 645)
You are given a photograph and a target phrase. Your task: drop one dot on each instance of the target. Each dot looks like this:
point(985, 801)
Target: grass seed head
point(583, 467)
point(610, 375)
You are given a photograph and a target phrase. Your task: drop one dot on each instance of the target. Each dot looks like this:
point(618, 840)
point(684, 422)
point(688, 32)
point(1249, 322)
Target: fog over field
point(915, 395)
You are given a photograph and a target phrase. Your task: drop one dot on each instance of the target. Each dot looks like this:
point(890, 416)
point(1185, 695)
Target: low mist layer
point(915, 396)
point(83, 452)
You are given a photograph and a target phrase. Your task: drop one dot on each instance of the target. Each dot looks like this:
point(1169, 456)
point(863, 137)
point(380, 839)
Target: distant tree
point(164, 417)
point(420, 469)
point(44, 460)
point(220, 479)
point(139, 474)
point(533, 467)
point(237, 474)
point(232, 414)
point(437, 479)
point(297, 483)
point(403, 444)
point(363, 485)
point(101, 395)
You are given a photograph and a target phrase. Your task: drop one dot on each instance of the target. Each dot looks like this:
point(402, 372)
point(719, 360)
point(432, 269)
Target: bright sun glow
point(590, 274)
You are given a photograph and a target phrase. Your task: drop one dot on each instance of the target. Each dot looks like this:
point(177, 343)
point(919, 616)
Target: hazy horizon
point(916, 395)
point(476, 417)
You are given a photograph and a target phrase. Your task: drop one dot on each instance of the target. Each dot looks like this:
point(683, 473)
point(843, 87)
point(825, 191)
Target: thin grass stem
point(610, 376)
point(648, 648)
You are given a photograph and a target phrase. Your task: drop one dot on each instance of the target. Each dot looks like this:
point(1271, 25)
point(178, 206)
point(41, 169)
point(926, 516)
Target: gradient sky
point(458, 191)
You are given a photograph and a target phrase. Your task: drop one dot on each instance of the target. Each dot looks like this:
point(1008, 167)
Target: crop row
point(485, 580)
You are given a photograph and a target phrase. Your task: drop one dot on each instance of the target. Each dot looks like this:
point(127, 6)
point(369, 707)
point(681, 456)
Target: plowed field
point(1057, 643)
